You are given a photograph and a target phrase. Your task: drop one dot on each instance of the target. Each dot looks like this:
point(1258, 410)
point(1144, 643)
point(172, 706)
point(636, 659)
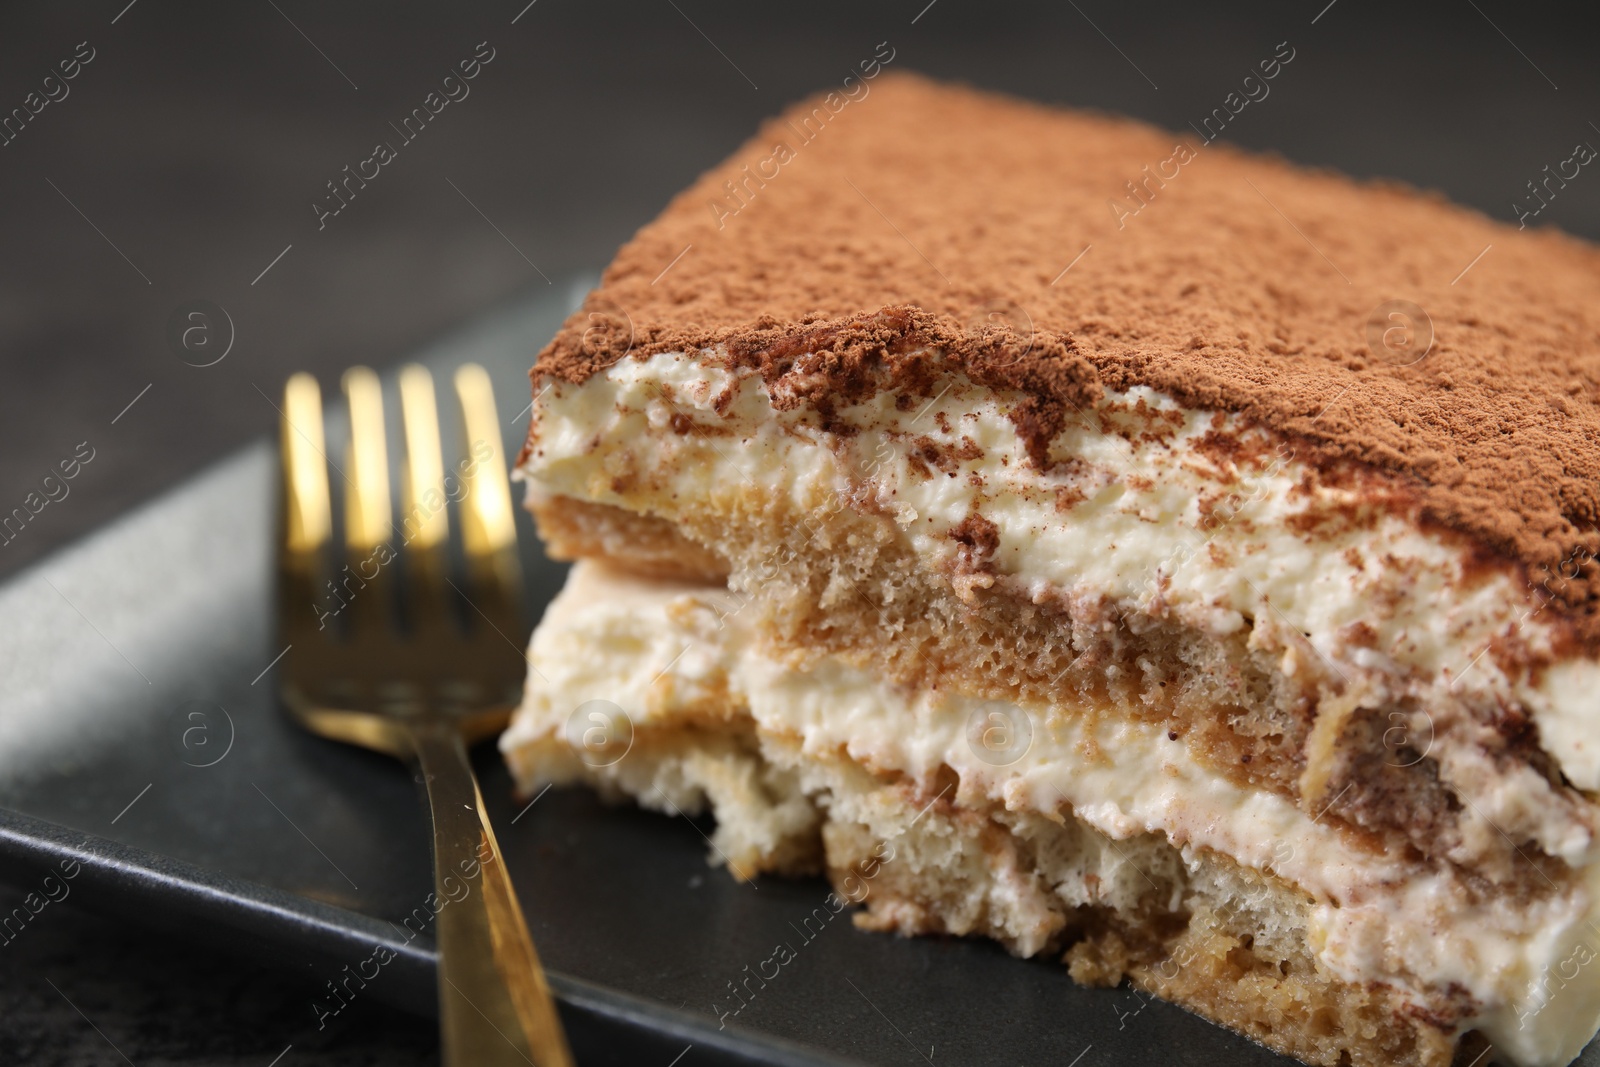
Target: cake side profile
point(1218, 647)
point(829, 768)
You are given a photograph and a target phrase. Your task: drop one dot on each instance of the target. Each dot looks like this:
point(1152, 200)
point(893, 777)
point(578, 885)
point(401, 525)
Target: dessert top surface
point(1054, 252)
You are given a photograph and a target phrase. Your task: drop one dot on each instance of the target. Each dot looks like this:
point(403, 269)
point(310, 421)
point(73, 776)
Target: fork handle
point(495, 1007)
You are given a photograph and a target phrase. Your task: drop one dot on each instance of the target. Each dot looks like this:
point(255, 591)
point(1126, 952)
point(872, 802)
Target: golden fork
point(447, 675)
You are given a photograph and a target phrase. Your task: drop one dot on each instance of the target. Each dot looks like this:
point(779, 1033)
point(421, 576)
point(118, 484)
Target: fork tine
point(488, 526)
point(425, 524)
point(307, 511)
point(368, 520)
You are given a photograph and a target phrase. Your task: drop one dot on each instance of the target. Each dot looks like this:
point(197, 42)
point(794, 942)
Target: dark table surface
point(183, 160)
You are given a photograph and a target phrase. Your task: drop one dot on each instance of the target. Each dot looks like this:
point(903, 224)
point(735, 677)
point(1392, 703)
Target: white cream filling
point(648, 646)
point(1138, 535)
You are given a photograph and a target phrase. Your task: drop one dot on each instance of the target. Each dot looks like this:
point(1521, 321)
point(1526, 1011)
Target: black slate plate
point(289, 849)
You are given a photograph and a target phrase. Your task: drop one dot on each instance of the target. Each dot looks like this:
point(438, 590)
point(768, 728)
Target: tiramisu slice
point(1121, 546)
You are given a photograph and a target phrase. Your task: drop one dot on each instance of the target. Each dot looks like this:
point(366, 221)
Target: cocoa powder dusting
point(925, 229)
point(979, 540)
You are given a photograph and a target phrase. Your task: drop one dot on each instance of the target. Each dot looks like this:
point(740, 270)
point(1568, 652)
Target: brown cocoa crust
point(924, 230)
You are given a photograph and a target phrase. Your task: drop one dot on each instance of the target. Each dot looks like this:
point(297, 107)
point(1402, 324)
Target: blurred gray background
point(184, 159)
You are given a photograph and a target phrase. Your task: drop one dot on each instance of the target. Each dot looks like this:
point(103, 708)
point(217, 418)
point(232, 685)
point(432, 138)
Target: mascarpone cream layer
point(653, 648)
